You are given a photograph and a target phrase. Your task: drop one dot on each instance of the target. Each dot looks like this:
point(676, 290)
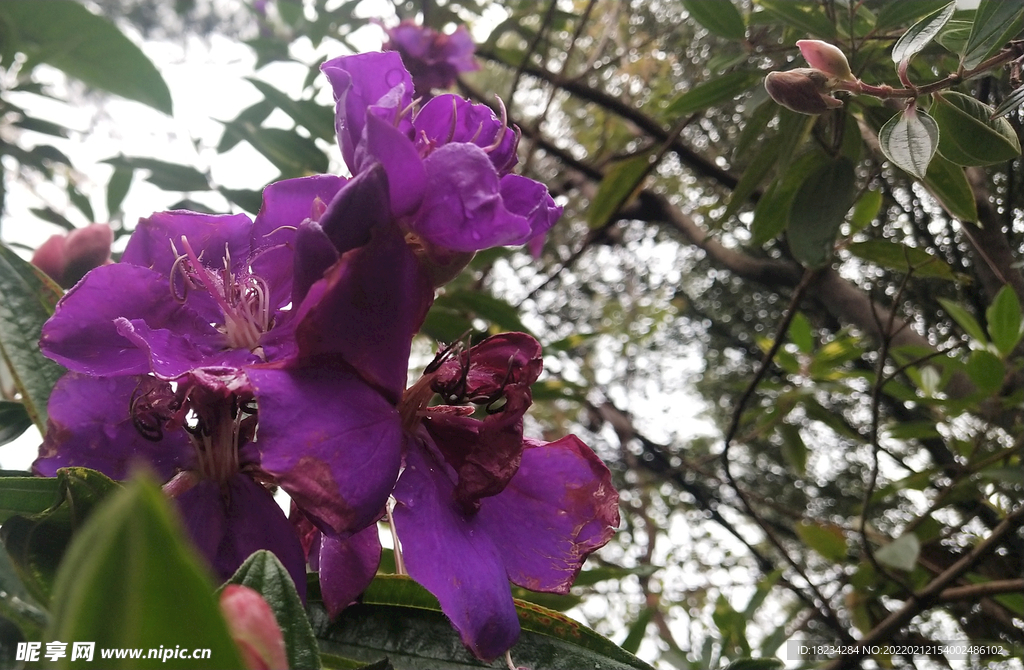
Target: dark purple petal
point(559, 507)
point(347, 566)
point(361, 81)
point(357, 210)
point(229, 522)
point(451, 555)
point(367, 310)
point(433, 58)
point(286, 204)
point(450, 118)
point(531, 200)
point(314, 253)
point(82, 335)
point(90, 425)
point(462, 206)
point(333, 443)
point(172, 354)
point(405, 169)
point(496, 362)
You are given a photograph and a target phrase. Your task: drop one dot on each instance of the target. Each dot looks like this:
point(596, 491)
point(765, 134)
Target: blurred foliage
point(796, 339)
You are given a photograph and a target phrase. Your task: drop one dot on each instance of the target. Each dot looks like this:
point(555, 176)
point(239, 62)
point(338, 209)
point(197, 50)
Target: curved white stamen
point(504, 128)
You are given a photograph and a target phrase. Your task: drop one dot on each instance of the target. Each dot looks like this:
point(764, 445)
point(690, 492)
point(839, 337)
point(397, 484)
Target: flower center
point(243, 297)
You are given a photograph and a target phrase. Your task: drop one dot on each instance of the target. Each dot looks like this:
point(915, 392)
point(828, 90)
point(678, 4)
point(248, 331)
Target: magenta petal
point(559, 507)
point(357, 210)
point(90, 425)
point(454, 558)
point(347, 566)
point(150, 243)
point(333, 443)
point(407, 176)
point(450, 118)
point(531, 200)
point(314, 253)
point(173, 354)
point(462, 207)
point(232, 521)
point(82, 334)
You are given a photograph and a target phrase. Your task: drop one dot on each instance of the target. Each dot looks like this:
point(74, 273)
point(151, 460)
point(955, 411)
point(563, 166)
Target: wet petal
point(230, 522)
point(172, 354)
point(452, 556)
point(82, 335)
point(90, 425)
point(150, 243)
point(358, 209)
point(333, 443)
point(347, 566)
point(559, 507)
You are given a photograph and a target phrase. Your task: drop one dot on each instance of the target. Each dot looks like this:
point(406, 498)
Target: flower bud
point(66, 258)
point(254, 628)
point(803, 90)
point(825, 57)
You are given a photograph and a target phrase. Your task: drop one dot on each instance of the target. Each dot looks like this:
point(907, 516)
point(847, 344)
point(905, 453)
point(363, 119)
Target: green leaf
point(17, 604)
point(909, 139)
point(27, 495)
point(720, 18)
point(164, 175)
point(36, 542)
point(794, 449)
point(317, 119)
point(800, 333)
point(1010, 103)
point(132, 580)
point(291, 153)
point(808, 18)
point(637, 630)
point(825, 538)
point(948, 183)
point(41, 126)
point(986, 371)
point(48, 214)
point(247, 199)
point(253, 115)
point(965, 320)
point(969, 135)
point(901, 553)
point(865, 210)
point(398, 619)
point(477, 304)
point(954, 35)
point(66, 35)
point(1004, 320)
point(902, 258)
point(818, 211)
point(720, 89)
point(921, 33)
point(27, 299)
point(117, 188)
point(81, 202)
point(771, 214)
point(995, 23)
point(14, 421)
point(619, 184)
point(894, 14)
point(262, 572)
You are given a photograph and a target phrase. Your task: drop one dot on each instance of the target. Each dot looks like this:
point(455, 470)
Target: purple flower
point(300, 321)
point(478, 506)
point(434, 59)
point(448, 163)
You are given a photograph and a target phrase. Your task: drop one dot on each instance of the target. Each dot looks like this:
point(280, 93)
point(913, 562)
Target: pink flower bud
point(825, 57)
point(803, 90)
point(253, 628)
point(66, 258)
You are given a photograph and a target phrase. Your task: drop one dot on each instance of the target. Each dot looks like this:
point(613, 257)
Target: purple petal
point(358, 209)
point(496, 362)
point(347, 566)
point(361, 81)
point(407, 177)
point(314, 253)
point(531, 200)
point(462, 207)
point(453, 119)
point(82, 335)
point(231, 521)
point(559, 507)
point(90, 425)
point(367, 310)
point(172, 355)
point(333, 443)
point(451, 555)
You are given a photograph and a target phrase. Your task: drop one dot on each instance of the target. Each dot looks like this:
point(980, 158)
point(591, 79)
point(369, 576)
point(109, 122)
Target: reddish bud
point(803, 90)
point(66, 258)
point(254, 628)
point(825, 57)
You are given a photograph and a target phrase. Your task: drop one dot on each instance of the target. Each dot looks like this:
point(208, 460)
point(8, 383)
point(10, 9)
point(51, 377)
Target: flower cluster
point(235, 356)
point(433, 59)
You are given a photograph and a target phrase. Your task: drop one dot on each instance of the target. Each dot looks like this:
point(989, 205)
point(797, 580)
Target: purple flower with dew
point(434, 59)
point(212, 324)
point(478, 505)
point(448, 162)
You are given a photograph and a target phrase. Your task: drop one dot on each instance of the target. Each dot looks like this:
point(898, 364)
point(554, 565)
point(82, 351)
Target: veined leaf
point(909, 140)
point(921, 33)
point(720, 17)
point(995, 22)
point(771, 214)
point(818, 211)
point(1012, 102)
point(969, 135)
point(948, 183)
point(902, 258)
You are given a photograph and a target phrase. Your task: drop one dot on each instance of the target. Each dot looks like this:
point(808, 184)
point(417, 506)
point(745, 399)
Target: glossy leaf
point(902, 258)
point(27, 495)
point(36, 542)
point(132, 563)
point(399, 620)
point(263, 573)
point(818, 211)
point(771, 214)
point(995, 22)
point(948, 183)
point(806, 17)
point(825, 538)
point(865, 211)
point(14, 421)
point(894, 14)
point(720, 18)
point(965, 319)
point(985, 370)
point(721, 89)
point(619, 184)
point(969, 135)
point(921, 33)
point(66, 35)
point(164, 175)
point(1004, 320)
point(909, 140)
point(27, 299)
point(901, 553)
